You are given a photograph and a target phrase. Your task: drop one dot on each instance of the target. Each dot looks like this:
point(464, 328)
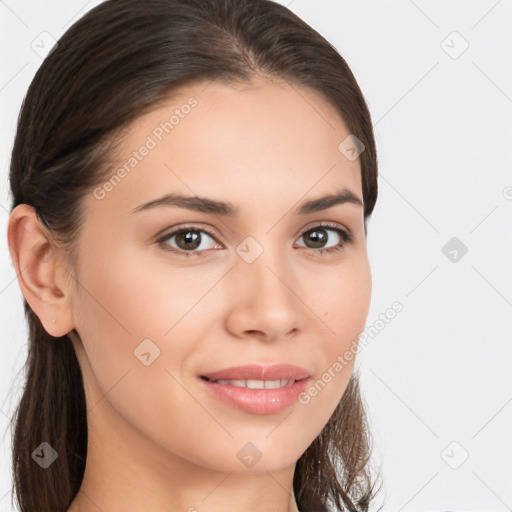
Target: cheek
point(343, 302)
point(133, 298)
point(129, 311)
point(141, 318)
point(340, 296)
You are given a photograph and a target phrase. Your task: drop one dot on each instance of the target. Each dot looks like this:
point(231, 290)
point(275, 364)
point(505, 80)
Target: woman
point(191, 182)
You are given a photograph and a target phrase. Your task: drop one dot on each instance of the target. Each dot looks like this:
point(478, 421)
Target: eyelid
point(323, 224)
point(197, 226)
point(345, 233)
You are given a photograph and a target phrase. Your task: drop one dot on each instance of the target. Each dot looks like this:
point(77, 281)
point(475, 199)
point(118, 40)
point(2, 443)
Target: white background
point(438, 375)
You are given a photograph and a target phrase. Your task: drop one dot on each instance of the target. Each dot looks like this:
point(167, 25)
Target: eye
point(318, 236)
point(188, 239)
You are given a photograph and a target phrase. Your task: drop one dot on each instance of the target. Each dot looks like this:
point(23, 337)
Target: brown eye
point(318, 236)
point(188, 241)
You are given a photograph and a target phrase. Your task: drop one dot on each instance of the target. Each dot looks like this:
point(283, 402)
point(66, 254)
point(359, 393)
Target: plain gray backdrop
point(437, 76)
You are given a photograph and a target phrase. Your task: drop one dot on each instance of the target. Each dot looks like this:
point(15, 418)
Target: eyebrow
point(207, 205)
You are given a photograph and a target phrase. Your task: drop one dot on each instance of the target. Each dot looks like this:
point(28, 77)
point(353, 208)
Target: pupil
point(192, 239)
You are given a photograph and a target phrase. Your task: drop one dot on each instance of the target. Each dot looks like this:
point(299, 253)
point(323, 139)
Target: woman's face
point(156, 311)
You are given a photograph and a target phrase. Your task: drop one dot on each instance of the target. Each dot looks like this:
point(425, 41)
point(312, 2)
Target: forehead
point(253, 142)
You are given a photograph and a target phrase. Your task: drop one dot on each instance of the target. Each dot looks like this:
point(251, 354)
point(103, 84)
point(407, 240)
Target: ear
point(44, 281)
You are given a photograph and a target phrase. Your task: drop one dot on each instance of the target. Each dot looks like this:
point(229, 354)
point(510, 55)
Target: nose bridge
point(263, 264)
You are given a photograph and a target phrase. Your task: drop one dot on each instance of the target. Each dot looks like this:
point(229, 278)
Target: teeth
point(257, 384)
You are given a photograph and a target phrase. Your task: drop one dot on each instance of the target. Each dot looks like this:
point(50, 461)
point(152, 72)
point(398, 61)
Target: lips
point(258, 372)
point(254, 388)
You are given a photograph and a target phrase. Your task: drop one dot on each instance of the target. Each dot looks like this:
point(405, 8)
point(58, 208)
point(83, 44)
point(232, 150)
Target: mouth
point(257, 389)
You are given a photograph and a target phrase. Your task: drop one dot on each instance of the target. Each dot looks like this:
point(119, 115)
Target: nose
point(265, 298)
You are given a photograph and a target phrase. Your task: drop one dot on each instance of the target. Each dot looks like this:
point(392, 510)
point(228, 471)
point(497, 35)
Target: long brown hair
point(113, 65)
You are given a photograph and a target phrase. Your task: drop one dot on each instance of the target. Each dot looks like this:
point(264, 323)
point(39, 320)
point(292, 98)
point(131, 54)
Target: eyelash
point(345, 235)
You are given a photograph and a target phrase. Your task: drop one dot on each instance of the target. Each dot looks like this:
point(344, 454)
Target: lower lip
point(257, 401)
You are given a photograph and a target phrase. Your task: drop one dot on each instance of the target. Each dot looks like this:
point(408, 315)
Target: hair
point(121, 60)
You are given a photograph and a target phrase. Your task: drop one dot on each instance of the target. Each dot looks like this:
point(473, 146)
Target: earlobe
point(35, 260)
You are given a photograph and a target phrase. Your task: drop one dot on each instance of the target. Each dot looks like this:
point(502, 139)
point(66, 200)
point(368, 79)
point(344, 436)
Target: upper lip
point(258, 372)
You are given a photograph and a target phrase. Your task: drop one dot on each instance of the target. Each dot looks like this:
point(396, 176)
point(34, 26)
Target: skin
point(157, 441)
